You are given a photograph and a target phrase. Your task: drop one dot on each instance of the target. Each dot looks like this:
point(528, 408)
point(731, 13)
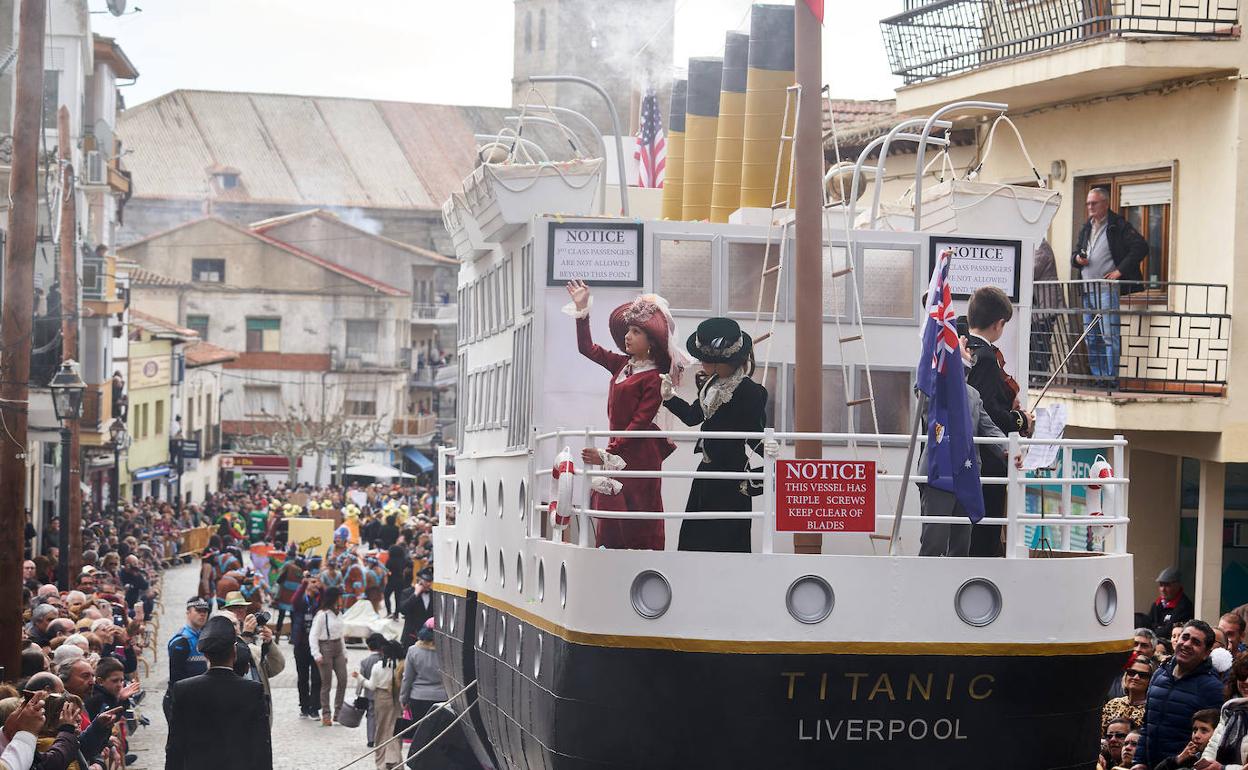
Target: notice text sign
point(825, 496)
point(599, 253)
point(979, 262)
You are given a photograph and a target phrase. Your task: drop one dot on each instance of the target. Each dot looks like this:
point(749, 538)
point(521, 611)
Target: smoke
point(357, 218)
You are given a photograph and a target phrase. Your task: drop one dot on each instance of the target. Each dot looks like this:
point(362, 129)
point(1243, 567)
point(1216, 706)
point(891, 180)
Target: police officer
point(185, 659)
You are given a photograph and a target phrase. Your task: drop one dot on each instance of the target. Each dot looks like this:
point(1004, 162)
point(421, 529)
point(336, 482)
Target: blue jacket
point(1171, 704)
point(185, 659)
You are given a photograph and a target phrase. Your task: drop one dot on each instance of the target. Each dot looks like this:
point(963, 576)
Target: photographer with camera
point(256, 657)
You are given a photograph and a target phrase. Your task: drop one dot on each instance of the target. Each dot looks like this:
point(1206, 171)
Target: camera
point(262, 618)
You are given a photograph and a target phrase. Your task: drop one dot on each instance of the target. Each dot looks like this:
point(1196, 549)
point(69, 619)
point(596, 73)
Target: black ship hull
point(550, 700)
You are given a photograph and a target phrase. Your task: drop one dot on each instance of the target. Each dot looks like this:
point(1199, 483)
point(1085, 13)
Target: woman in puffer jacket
point(1228, 748)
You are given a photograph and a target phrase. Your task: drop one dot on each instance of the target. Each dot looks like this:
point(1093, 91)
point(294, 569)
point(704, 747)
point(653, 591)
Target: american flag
point(651, 152)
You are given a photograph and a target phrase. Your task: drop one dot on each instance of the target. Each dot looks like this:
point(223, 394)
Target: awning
point(151, 473)
point(418, 459)
point(377, 471)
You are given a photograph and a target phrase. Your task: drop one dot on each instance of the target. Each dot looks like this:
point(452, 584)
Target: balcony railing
point(443, 313)
point(97, 407)
point(1170, 338)
point(422, 425)
point(944, 37)
point(428, 376)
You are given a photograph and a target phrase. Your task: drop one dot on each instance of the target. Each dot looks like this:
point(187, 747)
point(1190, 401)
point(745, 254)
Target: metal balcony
point(1175, 338)
point(937, 38)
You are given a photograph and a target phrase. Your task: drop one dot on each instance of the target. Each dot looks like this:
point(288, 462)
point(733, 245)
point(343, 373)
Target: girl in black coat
point(728, 400)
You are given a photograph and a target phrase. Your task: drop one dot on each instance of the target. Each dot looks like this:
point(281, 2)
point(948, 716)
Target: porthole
point(457, 556)
point(651, 594)
point(519, 644)
point(485, 501)
point(485, 562)
point(541, 581)
point(472, 499)
point(468, 560)
point(1105, 603)
point(520, 573)
point(502, 634)
point(500, 499)
point(481, 631)
point(502, 569)
point(563, 585)
point(978, 602)
point(810, 599)
point(524, 502)
point(537, 657)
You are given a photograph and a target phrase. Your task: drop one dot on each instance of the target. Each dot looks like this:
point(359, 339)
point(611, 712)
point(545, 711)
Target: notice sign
point(599, 253)
point(825, 496)
point(978, 262)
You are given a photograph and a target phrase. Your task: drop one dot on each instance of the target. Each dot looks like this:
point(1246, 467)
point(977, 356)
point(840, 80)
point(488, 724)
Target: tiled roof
point(264, 225)
point(302, 150)
point(154, 325)
point(140, 276)
point(204, 353)
point(857, 121)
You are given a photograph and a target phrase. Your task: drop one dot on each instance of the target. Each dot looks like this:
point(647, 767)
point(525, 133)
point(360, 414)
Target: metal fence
point(1149, 338)
point(934, 38)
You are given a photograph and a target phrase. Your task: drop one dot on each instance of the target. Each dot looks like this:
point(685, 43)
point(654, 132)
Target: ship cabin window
point(835, 287)
point(685, 271)
point(888, 283)
point(526, 277)
point(519, 416)
point(508, 289)
point(746, 271)
point(893, 394)
point(832, 393)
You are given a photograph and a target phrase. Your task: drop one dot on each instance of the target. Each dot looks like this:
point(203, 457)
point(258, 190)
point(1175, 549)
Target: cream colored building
point(1154, 110)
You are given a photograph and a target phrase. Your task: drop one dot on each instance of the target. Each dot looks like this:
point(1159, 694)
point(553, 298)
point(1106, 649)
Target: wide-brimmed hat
point(235, 599)
point(720, 341)
point(645, 313)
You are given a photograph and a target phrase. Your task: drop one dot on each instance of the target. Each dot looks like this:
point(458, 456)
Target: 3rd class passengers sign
point(599, 253)
point(979, 262)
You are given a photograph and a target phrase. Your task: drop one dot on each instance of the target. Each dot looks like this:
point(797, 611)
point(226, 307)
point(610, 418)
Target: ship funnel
point(726, 191)
point(701, 126)
point(674, 175)
point(770, 73)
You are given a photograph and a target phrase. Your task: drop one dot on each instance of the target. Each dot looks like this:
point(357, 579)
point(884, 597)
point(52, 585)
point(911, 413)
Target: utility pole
point(808, 246)
point(69, 331)
point(16, 321)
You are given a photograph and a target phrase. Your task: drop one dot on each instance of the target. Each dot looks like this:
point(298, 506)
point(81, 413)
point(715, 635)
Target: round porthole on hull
point(1106, 602)
point(810, 599)
point(978, 602)
point(651, 594)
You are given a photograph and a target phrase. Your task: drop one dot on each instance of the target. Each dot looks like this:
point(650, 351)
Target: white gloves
point(611, 462)
point(666, 389)
point(771, 448)
point(605, 486)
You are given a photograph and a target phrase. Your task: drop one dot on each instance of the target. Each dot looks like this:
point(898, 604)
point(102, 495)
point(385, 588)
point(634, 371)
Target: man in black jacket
point(218, 719)
point(1109, 251)
point(418, 607)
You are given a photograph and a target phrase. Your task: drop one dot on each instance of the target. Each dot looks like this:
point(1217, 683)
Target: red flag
point(816, 7)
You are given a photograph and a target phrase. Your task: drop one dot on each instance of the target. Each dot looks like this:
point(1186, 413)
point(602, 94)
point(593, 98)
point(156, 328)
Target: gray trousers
point(943, 539)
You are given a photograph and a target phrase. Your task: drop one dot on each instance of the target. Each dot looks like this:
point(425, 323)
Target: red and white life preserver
point(1101, 469)
point(563, 473)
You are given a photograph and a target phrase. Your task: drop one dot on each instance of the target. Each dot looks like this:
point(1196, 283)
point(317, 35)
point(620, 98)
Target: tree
point(297, 433)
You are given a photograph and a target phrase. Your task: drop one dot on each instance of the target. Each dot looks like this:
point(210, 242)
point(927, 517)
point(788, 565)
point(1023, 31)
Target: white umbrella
point(377, 471)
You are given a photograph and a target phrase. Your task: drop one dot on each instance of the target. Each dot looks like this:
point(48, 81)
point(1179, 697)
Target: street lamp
point(67, 389)
point(121, 439)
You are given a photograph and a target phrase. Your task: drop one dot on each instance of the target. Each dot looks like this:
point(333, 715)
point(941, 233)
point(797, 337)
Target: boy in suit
point(987, 314)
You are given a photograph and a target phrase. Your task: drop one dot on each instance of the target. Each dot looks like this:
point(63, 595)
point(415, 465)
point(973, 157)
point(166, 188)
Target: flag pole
point(1065, 361)
point(919, 408)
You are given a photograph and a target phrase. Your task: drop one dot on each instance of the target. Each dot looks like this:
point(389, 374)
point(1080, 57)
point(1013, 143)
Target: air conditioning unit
point(97, 170)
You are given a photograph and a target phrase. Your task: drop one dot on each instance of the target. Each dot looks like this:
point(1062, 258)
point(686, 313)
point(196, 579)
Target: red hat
point(647, 314)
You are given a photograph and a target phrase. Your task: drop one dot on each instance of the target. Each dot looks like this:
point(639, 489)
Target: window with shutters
point(264, 335)
point(1145, 199)
point(198, 323)
point(208, 270)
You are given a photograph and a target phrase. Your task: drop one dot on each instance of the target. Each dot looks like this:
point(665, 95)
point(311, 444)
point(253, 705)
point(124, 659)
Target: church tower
point(595, 39)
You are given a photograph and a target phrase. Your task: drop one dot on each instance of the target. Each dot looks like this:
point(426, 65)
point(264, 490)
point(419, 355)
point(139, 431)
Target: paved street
point(298, 744)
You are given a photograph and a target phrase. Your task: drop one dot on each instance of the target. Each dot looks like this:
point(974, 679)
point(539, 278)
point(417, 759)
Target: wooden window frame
point(1114, 182)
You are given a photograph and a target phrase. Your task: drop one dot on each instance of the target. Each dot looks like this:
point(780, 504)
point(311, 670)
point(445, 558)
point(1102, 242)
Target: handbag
point(352, 713)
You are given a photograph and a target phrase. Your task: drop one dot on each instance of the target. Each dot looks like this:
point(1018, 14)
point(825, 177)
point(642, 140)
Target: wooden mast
point(808, 242)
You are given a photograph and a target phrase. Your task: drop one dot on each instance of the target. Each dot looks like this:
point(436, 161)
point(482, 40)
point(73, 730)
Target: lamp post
point(67, 389)
point(121, 439)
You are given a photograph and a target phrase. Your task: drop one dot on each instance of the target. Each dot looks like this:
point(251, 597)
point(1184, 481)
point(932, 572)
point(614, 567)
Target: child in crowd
point(1204, 722)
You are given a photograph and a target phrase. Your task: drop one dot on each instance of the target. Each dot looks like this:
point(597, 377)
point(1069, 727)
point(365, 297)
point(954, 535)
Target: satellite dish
point(116, 7)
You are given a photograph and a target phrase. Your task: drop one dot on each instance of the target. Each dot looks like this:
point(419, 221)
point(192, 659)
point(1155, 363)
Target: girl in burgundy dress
point(643, 329)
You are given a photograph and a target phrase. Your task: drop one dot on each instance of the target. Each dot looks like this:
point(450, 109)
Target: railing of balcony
point(1172, 338)
point(421, 425)
point(935, 38)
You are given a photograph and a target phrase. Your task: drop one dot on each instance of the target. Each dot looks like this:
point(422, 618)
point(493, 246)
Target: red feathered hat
point(647, 314)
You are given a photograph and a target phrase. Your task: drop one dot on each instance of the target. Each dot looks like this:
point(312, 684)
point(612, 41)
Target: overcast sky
point(441, 51)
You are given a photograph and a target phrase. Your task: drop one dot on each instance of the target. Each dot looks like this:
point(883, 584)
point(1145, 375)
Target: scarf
point(1161, 601)
point(716, 392)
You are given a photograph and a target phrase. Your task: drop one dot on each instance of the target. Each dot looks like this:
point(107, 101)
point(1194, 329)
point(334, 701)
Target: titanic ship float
point(831, 643)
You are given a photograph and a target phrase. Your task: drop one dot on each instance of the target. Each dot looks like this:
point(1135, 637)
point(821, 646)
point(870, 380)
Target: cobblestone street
point(298, 744)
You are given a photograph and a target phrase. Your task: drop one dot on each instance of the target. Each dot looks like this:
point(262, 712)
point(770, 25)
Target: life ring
point(563, 473)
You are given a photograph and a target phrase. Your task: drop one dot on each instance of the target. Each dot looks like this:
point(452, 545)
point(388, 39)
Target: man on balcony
point(1109, 252)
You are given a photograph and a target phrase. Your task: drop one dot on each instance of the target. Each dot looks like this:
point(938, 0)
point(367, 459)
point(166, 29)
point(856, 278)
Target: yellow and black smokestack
point(674, 175)
point(770, 73)
point(726, 191)
point(701, 124)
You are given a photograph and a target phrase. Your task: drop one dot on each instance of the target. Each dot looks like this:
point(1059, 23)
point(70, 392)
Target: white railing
point(1016, 482)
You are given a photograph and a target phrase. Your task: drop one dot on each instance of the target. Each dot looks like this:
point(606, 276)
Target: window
point(51, 97)
point(745, 271)
point(360, 405)
point(422, 289)
point(1144, 199)
point(227, 180)
point(208, 270)
point(685, 271)
point(888, 283)
point(835, 412)
point(361, 338)
point(526, 277)
point(262, 400)
point(160, 417)
point(264, 335)
point(528, 31)
point(893, 399)
point(198, 323)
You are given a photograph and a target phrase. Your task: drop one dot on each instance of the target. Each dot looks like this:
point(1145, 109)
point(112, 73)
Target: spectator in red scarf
point(1172, 606)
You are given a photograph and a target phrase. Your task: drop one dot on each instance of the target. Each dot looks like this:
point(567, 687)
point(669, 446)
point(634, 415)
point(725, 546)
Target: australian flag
point(951, 453)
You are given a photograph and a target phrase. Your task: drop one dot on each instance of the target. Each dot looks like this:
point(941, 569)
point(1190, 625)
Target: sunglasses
point(1133, 674)
point(1119, 736)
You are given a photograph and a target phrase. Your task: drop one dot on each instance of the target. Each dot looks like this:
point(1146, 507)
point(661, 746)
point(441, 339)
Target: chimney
point(770, 73)
point(701, 125)
point(726, 191)
point(673, 182)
